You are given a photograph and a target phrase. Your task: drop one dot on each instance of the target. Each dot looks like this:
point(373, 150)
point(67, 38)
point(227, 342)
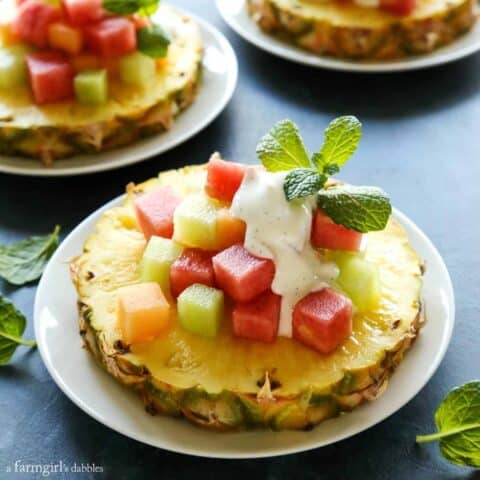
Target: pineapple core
point(143, 312)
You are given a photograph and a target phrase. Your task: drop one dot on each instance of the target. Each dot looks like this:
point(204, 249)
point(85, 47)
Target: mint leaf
point(282, 148)
point(12, 326)
point(458, 423)
point(153, 41)
point(303, 182)
point(24, 261)
point(127, 7)
point(363, 209)
point(342, 137)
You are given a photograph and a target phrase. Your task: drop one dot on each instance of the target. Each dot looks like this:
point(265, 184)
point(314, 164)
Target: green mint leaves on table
point(12, 326)
point(153, 41)
point(24, 261)
point(458, 423)
point(363, 209)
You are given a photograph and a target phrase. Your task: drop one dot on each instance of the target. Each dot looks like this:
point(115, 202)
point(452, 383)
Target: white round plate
point(234, 12)
point(219, 79)
point(100, 396)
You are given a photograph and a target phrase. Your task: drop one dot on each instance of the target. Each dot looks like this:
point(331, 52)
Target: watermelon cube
point(112, 37)
point(327, 234)
point(242, 275)
point(398, 7)
point(64, 37)
point(323, 320)
point(192, 266)
point(138, 69)
point(51, 77)
point(230, 230)
point(195, 222)
point(32, 22)
point(258, 319)
point(223, 178)
point(200, 310)
point(155, 212)
point(143, 313)
point(13, 68)
point(157, 260)
point(83, 12)
point(91, 87)
point(359, 279)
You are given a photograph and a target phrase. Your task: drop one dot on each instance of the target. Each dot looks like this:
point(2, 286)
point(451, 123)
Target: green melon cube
point(360, 280)
point(13, 68)
point(91, 87)
point(195, 222)
point(138, 69)
point(157, 260)
point(200, 309)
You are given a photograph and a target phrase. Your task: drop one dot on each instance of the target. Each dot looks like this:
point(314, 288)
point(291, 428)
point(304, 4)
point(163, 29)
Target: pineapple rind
point(277, 399)
point(66, 129)
point(350, 31)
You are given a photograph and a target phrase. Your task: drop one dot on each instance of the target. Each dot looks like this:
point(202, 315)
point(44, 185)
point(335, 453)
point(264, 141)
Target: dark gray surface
point(421, 143)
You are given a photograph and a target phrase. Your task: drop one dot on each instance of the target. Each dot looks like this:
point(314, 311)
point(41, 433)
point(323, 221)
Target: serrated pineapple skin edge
point(231, 411)
point(395, 39)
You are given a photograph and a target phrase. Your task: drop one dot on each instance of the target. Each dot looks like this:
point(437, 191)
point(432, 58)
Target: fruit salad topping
point(395, 7)
point(281, 242)
point(72, 49)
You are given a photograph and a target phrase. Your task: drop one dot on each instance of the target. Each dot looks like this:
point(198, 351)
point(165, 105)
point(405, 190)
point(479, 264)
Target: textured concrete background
point(421, 144)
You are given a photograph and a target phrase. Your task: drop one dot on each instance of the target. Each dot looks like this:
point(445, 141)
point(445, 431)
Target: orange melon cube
point(7, 36)
point(85, 61)
point(65, 37)
point(230, 230)
point(143, 312)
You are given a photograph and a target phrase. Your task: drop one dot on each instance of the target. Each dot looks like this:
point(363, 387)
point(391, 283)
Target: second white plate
point(234, 12)
point(219, 79)
point(100, 396)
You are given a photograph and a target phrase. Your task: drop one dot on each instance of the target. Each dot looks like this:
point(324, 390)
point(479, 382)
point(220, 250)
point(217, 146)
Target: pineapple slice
point(231, 383)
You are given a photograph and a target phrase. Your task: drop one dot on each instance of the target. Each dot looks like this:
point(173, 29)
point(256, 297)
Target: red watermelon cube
point(323, 320)
point(83, 12)
point(32, 22)
point(398, 7)
point(258, 319)
point(242, 275)
point(328, 234)
point(192, 266)
point(155, 211)
point(223, 178)
point(51, 77)
point(112, 37)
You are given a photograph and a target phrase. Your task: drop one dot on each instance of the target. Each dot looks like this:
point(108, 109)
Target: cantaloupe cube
point(7, 36)
point(195, 222)
point(230, 230)
point(157, 260)
point(143, 312)
point(64, 37)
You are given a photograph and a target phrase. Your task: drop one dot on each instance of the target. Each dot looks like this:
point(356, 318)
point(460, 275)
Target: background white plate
point(219, 79)
point(100, 396)
point(235, 14)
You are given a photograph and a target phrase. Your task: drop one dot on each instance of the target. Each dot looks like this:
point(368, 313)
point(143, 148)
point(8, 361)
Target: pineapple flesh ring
point(132, 112)
point(228, 383)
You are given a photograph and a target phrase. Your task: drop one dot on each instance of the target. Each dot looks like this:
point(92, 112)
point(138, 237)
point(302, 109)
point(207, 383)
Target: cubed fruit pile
point(71, 50)
point(195, 254)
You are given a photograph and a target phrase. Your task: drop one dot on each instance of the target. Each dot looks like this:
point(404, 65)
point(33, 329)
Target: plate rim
point(231, 84)
point(295, 54)
point(405, 221)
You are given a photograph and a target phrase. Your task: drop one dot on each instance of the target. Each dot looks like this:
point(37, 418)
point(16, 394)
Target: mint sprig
point(128, 7)
point(362, 209)
point(153, 41)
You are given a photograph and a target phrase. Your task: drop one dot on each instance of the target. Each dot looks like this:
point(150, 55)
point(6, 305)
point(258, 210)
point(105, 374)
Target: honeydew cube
point(91, 87)
point(360, 280)
point(143, 313)
point(195, 222)
point(157, 261)
point(13, 67)
point(200, 310)
point(138, 69)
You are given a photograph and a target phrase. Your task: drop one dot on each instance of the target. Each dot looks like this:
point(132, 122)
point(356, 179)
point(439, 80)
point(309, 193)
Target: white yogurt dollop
point(280, 230)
